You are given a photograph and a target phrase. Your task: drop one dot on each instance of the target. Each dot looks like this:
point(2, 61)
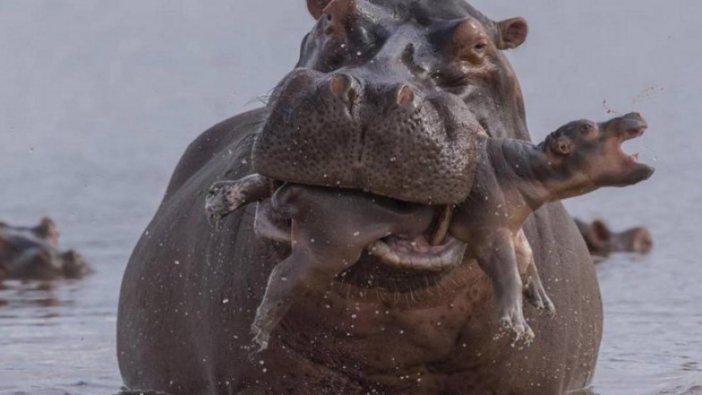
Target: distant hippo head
point(601, 240)
point(31, 253)
point(388, 96)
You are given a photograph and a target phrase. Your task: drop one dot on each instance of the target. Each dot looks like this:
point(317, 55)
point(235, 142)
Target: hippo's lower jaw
point(418, 254)
point(393, 251)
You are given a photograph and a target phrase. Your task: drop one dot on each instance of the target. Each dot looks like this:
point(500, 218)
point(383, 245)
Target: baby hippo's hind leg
point(498, 260)
point(225, 197)
point(534, 291)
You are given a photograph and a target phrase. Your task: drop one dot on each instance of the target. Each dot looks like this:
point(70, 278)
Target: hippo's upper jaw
point(388, 98)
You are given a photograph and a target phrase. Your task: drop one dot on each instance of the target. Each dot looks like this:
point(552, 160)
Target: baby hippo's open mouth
point(628, 127)
point(635, 130)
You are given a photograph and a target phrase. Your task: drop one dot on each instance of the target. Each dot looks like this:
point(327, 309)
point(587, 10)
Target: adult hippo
point(32, 253)
point(424, 70)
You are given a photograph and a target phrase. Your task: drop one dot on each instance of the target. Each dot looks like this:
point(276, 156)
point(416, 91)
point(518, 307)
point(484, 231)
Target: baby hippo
point(331, 228)
point(515, 178)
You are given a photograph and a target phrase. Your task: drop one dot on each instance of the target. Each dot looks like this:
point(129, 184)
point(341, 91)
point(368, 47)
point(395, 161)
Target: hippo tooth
point(441, 229)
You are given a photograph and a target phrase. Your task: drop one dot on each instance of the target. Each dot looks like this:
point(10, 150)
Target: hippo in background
point(602, 241)
point(32, 253)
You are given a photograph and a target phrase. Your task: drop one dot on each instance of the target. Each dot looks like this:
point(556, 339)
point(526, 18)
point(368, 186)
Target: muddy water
point(98, 99)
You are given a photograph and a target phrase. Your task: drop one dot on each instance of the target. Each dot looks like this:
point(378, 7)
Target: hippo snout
point(358, 130)
point(629, 126)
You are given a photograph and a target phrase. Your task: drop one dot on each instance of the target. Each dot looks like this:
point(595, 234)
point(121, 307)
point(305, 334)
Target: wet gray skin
point(376, 324)
point(330, 228)
point(32, 253)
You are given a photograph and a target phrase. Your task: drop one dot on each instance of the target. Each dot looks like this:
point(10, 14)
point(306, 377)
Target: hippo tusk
point(442, 226)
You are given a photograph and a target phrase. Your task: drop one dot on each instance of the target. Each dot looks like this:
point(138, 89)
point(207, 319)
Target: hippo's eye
point(449, 78)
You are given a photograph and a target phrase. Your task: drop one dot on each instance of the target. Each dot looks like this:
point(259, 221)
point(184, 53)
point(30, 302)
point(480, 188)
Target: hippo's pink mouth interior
point(418, 252)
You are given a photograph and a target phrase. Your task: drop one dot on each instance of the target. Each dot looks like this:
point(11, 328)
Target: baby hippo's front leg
point(225, 197)
point(330, 230)
point(497, 258)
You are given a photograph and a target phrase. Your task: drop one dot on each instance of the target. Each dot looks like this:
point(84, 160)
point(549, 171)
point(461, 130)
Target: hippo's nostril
point(404, 96)
point(345, 88)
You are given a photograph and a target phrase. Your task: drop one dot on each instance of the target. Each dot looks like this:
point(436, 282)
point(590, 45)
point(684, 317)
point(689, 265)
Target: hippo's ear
point(316, 7)
point(512, 33)
point(47, 230)
point(600, 231)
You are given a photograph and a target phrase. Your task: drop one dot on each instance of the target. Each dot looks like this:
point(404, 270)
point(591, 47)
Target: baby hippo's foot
point(512, 320)
point(225, 197)
point(268, 315)
point(536, 295)
point(261, 338)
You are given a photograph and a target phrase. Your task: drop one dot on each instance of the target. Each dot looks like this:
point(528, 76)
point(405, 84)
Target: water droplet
point(225, 301)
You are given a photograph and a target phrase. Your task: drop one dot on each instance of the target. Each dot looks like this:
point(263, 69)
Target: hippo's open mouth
point(434, 250)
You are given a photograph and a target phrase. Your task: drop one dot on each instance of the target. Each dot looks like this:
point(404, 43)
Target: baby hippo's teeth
point(635, 157)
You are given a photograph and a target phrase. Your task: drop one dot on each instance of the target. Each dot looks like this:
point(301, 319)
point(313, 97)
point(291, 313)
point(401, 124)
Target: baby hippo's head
point(593, 151)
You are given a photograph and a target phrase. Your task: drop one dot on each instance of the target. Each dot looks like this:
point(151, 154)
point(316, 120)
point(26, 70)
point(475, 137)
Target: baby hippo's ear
point(562, 146)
